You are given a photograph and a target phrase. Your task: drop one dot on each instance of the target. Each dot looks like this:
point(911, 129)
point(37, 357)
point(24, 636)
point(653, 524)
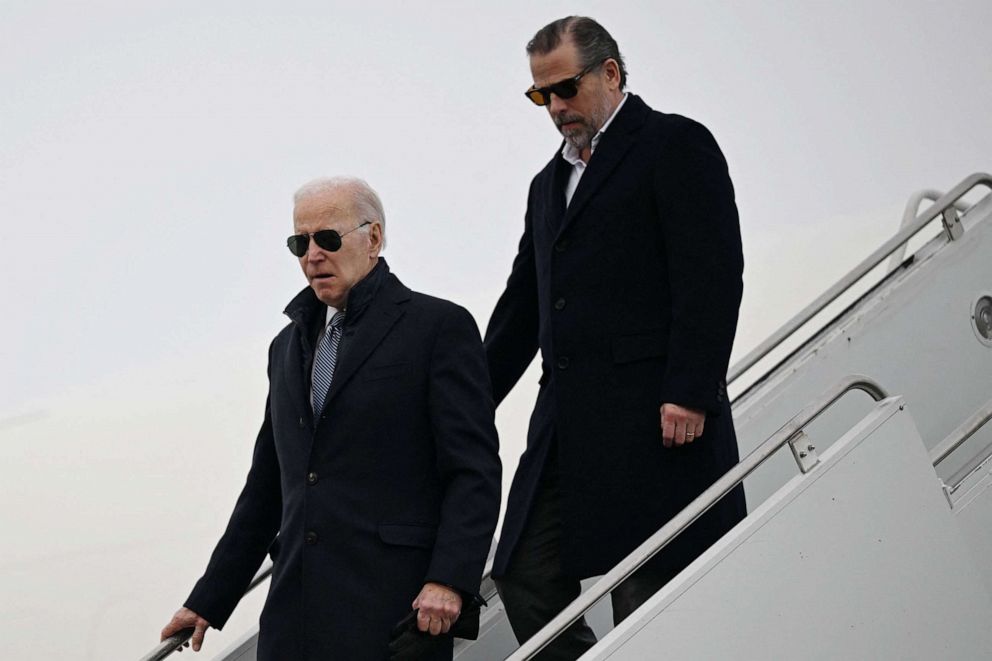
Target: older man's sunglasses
point(328, 240)
point(563, 89)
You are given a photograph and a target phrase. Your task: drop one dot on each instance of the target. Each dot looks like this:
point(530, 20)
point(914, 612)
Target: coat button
point(311, 538)
point(312, 478)
point(563, 363)
point(303, 423)
point(560, 304)
point(561, 245)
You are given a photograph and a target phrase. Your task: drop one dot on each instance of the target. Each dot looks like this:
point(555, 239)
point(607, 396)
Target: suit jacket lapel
point(616, 141)
point(370, 329)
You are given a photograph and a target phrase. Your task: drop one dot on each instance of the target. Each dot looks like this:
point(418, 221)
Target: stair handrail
point(909, 215)
point(944, 205)
point(176, 640)
point(961, 433)
point(677, 524)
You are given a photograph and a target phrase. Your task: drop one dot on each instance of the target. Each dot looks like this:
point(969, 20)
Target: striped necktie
point(324, 361)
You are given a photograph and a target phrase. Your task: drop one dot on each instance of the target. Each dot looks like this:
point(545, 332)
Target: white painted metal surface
point(913, 333)
point(859, 559)
point(972, 507)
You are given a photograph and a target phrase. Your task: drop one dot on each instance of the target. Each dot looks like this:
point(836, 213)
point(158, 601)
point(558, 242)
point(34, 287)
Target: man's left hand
point(439, 606)
point(680, 425)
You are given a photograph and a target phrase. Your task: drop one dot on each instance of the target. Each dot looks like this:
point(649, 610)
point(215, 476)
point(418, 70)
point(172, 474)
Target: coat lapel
point(298, 361)
point(560, 170)
point(305, 311)
point(368, 332)
point(616, 141)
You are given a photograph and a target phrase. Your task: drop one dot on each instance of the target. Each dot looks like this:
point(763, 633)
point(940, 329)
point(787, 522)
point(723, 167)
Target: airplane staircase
point(870, 519)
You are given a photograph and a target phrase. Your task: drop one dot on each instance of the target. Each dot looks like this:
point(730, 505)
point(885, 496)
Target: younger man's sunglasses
point(563, 89)
point(328, 240)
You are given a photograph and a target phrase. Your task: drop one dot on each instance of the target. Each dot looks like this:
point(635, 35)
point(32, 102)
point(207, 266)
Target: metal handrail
point(944, 204)
point(962, 433)
point(173, 642)
point(677, 524)
point(487, 586)
point(909, 215)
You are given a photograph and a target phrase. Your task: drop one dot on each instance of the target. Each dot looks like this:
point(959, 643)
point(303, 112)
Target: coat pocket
point(639, 346)
point(408, 534)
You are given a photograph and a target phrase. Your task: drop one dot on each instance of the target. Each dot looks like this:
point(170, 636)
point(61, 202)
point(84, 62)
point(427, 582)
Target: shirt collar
point(331, 311)
point(572, 155)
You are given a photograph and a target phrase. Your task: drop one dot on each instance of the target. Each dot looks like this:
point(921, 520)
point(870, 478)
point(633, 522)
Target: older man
point(628, 280)
point(377, 460)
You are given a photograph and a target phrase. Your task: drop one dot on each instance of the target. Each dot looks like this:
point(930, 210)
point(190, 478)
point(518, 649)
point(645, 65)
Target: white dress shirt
point(571, 154)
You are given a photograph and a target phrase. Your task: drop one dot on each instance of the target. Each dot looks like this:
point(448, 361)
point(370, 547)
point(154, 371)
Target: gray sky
point(148, 159)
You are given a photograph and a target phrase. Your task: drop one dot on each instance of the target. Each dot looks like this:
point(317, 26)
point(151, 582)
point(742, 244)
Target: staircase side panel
point(860, 558)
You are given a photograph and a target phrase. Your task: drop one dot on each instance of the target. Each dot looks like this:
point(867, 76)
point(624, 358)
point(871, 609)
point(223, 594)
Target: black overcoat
point(396, 483)
point(632, 297)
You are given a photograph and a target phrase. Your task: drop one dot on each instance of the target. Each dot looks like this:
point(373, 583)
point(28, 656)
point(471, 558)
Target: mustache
point(563, 118)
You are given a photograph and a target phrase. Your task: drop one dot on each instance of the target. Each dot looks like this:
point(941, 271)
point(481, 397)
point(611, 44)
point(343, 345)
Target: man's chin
point(577, 142)
point(326, 295)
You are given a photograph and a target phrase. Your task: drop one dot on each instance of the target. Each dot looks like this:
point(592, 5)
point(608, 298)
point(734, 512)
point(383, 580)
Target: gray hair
point(365, 201)
point(591, 40)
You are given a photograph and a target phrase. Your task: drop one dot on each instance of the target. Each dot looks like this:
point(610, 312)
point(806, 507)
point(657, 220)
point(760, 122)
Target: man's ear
point(375, 238)
point(612, 72)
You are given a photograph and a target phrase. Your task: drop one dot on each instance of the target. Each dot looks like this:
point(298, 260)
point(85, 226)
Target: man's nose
point(314, 252)
point(556, 105)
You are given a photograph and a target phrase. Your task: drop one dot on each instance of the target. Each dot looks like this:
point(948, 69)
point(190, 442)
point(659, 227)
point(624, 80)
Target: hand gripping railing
point(172, 643)
point(945, 206)
point(656, 542)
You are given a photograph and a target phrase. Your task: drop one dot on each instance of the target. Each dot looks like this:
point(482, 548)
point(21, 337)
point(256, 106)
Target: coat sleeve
point(467, 449)
point(249, 534)
point(511, 336)
point(702, 243)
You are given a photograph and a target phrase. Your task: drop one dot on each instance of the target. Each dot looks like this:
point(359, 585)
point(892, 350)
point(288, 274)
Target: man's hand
point(439, 606)
point(183, 619)
point(680, 425)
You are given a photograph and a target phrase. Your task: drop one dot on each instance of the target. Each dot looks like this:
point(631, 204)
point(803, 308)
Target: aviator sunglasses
point(328, 240)
point(563, 89)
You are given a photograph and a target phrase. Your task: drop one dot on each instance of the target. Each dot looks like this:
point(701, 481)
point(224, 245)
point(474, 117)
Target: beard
point(580, 137)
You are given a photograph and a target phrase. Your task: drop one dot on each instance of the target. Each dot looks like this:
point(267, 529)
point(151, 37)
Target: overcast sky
point(148, 156)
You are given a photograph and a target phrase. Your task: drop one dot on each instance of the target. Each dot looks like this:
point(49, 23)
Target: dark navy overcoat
point(631, 294)
point(394, 484)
